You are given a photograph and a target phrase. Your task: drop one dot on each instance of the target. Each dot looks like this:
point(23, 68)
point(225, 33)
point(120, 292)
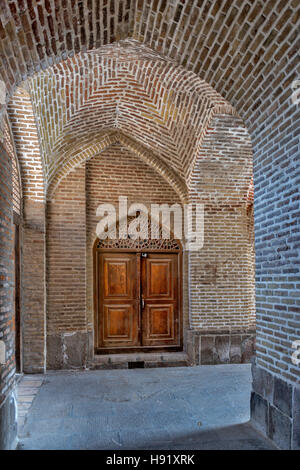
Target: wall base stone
point(219, 347)
point(296, 419)
point(275, 408)
point(8, 423)
point(68, 350)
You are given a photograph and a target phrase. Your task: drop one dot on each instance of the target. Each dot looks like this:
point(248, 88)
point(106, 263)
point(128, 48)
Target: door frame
point(96, 252)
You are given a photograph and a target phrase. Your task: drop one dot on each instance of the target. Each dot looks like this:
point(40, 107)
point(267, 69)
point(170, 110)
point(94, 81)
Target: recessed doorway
point(137, 299)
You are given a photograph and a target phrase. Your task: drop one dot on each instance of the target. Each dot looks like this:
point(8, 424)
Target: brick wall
point(66, 273)
point(220, 180)
point(275, 130)
point(7, 325)
point(7, 276)
point(221, 274)
point(276, 173)
point(33, 289)
point(26, 143)
point(16, 177)
point(33, 312)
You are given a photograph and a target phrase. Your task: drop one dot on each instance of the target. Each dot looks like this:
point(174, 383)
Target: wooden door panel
point(118, 301)
point(160, 322)
point(159, 273)
point(116, 278)
point(135, 291)
point(160, 312)
point(118, 324)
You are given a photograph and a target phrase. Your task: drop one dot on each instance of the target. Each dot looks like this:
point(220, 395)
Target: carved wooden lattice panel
point(140, 244)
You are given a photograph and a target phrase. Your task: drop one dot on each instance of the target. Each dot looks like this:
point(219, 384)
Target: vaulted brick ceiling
point(122, 87)
point(233, 45)
point(241, 48)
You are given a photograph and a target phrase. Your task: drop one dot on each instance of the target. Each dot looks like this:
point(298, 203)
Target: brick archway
point(249, 54)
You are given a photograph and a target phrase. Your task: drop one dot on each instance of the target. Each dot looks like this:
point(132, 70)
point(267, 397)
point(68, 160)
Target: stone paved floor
point(204, 407)
point(27, 390)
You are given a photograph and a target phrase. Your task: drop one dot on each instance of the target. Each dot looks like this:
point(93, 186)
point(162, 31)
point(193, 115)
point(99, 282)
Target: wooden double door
point(138, 304)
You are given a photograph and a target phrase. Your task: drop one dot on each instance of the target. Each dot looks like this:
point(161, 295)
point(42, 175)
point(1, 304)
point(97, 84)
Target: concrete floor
point(204, 407)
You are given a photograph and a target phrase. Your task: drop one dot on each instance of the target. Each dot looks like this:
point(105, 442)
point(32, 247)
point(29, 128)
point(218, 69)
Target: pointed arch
point(89, 150)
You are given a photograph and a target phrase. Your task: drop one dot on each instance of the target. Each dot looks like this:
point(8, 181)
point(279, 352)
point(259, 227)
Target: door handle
point(143, 303)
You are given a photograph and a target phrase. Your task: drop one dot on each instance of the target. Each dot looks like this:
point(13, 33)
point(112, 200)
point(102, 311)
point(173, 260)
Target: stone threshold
point(139, 360)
